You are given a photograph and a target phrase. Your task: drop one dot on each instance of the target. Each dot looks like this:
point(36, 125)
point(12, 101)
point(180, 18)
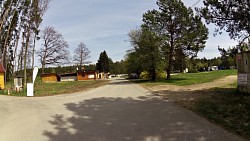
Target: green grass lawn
point(190, 78)
point(46, 89)
point(57, 88)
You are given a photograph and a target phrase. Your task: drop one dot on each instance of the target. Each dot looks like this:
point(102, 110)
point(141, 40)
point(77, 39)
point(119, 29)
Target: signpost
point(30, 86)
point(242, 79)
point(243, 66)
point(35, 71)
point(30, 89)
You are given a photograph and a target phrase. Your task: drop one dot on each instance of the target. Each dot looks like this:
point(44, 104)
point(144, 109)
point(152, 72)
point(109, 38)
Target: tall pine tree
point(103, 63)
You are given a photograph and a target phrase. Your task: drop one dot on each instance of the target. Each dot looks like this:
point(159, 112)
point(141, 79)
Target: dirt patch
point(187, 95)
point(217, 83)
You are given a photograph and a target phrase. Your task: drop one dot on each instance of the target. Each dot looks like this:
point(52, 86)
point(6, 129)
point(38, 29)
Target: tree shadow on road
point(127, 119)
point(186, 97)
point(224, 106)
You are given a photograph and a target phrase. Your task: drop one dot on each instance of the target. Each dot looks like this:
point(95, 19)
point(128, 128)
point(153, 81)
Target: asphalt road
point(120, 111)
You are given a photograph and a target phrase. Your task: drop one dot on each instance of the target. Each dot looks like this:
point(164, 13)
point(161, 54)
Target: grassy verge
point(229, 109)
point(190, 78)
point(222, 105)
point(57, 88)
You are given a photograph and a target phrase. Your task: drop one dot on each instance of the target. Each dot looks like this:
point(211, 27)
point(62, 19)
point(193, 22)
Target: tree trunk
point(21, 55)
point(43, 60)
point(153, 74)
point(25, 58)
point(18, 63)
point(4, 58)
point(43, 66)
point(6, 69)
point(33, 53)
point(16, 45)
point(170, 59)
point(5, 14)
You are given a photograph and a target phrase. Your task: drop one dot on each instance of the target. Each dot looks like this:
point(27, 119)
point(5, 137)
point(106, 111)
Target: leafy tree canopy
point(181, 31)
point(147, 49)
point(231, 15)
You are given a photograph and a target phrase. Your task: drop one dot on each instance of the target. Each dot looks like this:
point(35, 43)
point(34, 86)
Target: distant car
point(133, 76)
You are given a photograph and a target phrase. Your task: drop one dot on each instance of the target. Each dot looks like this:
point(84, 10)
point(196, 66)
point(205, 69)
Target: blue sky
point(104, 25)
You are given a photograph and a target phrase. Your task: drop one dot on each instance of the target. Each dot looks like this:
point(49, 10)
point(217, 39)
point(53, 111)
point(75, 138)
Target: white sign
point(35, 71)
point(30, 89)
point(242, 79)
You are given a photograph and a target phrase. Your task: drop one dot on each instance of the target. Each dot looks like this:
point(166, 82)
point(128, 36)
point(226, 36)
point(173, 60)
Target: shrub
point(144, 75)
point(161, 75)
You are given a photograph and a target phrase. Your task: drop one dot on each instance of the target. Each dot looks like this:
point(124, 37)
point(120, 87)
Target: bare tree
point(54, 50)
point(81, 54)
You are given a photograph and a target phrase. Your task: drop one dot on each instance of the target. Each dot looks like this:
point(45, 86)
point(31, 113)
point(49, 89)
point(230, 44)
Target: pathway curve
point(119, 111)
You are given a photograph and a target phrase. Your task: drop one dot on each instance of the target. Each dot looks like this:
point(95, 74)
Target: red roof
point(2, 68)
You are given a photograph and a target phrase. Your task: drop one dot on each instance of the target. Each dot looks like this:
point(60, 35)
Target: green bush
point(144, 75)
point(161, 75)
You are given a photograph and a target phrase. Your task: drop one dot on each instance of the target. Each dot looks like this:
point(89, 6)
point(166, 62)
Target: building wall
point(103, 75)
point(243, 60)
point(68, 78)
point(86, 76)
point(1, 80)
point(18, 82)
point(49, 78)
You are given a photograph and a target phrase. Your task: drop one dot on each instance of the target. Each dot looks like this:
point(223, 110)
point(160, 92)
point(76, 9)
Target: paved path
point(120, 111)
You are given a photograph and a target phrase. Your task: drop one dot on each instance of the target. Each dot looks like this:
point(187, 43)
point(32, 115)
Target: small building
point(2, 72)
point(68, 77)
point(18, 81)
point(50, 77)
point(243, 61)
point(185, 70)
point(87, 75)
point(103, 75)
